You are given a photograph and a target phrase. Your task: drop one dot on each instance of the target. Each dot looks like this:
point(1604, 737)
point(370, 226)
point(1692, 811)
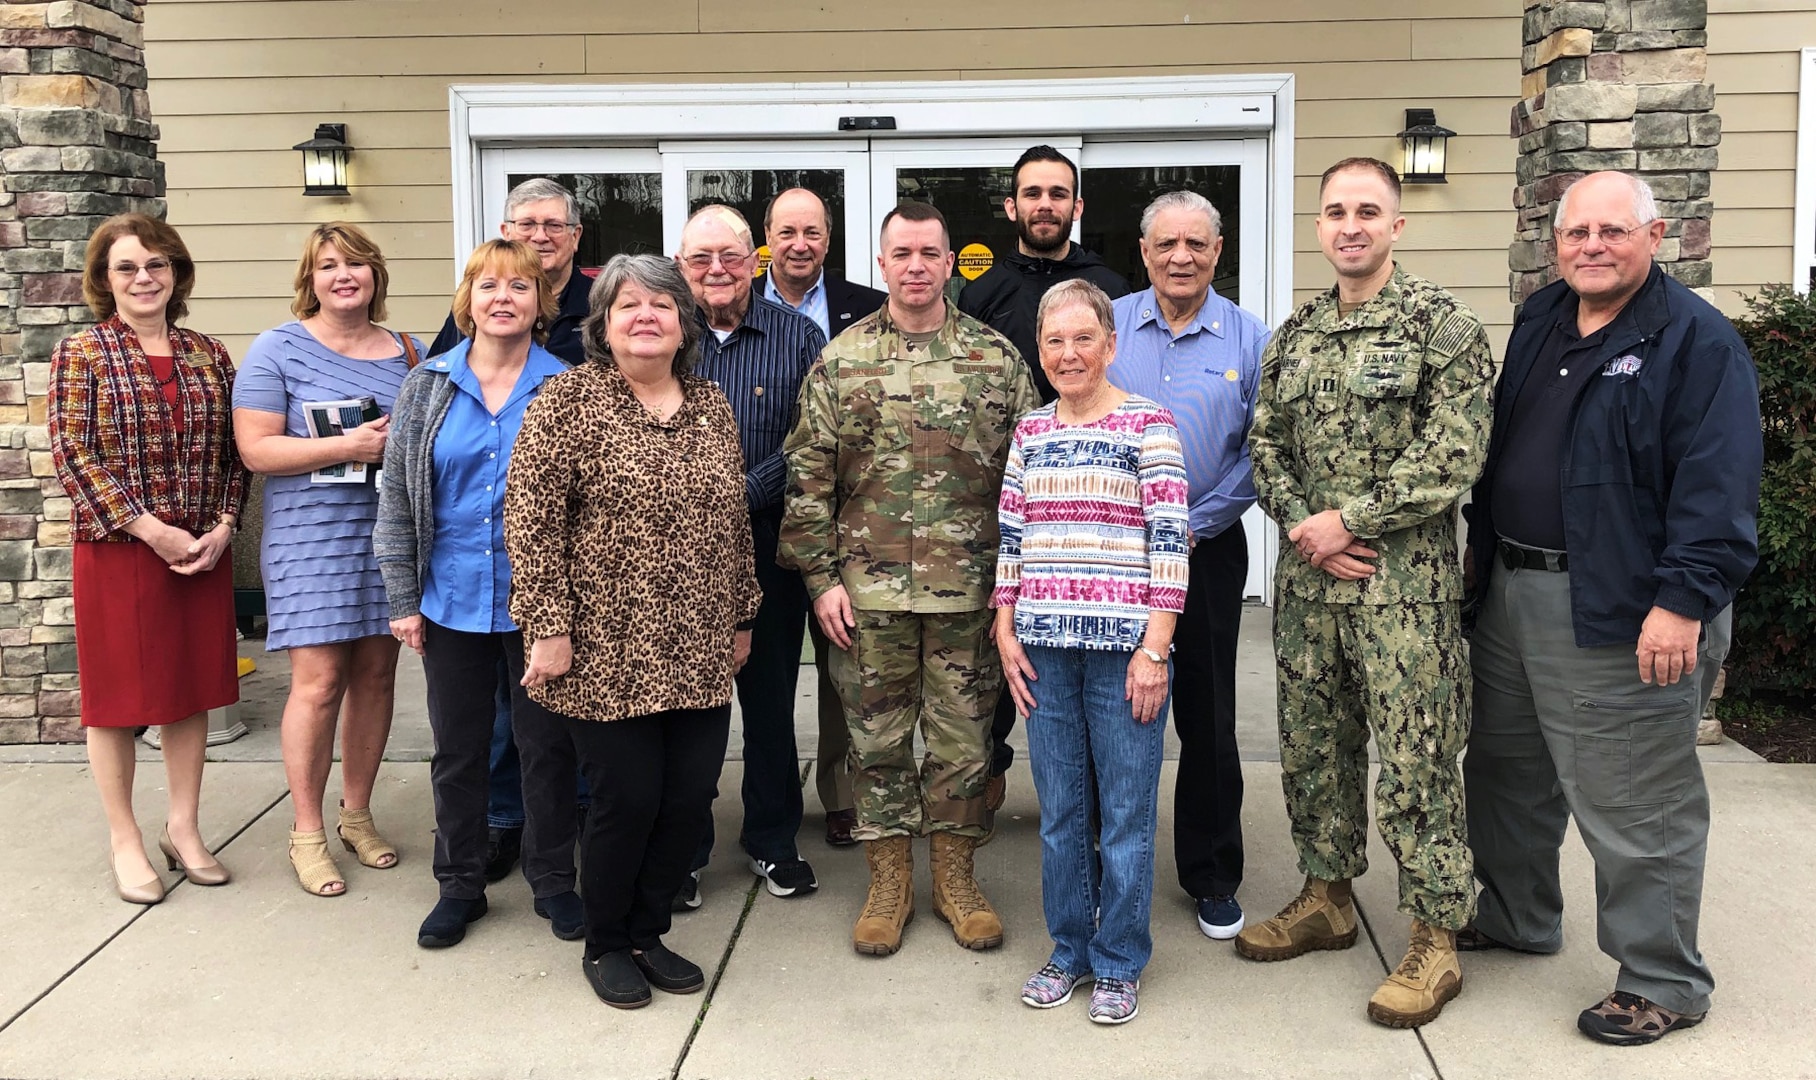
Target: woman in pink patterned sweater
point(1090, 580)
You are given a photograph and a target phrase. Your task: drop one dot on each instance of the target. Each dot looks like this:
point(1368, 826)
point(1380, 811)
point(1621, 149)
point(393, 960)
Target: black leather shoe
point(503, 846)
point(447, 924)
point(618, 982)
point(669, 972)
point(566, 915)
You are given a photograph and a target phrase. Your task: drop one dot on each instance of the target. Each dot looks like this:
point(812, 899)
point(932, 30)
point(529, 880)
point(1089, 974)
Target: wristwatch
point(1151, 654)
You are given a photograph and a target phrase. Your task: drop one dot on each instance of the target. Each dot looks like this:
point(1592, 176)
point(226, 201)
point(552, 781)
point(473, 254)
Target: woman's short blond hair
point(355, 246)
point(510, 257)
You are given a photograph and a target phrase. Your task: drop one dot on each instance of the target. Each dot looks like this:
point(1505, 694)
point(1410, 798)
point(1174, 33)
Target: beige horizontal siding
point(1753, 57)
point(234, 84)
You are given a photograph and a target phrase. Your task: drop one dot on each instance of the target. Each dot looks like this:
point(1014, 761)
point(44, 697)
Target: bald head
point(798, 229)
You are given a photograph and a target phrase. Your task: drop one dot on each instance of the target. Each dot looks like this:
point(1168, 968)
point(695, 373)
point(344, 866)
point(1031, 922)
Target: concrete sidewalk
point(258, 979)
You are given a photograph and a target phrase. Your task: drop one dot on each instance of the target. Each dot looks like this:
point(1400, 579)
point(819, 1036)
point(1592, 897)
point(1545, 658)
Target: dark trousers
point(766, 698)
point(462, 671)
point(653, 779)
point(1207, 795)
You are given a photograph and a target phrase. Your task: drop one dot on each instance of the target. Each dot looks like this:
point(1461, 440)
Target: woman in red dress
point(140, 428)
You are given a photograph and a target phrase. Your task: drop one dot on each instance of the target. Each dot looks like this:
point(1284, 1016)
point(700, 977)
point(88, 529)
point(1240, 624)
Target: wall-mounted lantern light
point(325, 160)
point(1424, 144)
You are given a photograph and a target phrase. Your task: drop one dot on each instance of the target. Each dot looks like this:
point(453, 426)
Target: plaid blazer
point(116, 449)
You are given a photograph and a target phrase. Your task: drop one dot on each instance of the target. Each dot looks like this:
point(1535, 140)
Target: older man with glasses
point(543, 214)
point(758, 353)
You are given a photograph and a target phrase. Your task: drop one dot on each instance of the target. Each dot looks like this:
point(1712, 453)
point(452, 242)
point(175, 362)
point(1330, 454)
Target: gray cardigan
point(406, 507)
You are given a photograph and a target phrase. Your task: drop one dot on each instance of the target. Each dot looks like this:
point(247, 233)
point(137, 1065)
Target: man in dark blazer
point(798, 230)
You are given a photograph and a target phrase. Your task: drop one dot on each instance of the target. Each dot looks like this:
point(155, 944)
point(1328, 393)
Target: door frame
point(482, 117)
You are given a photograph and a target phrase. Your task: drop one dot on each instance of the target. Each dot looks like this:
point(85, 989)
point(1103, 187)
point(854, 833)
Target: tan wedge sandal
point(360, 836)
point(315, 869)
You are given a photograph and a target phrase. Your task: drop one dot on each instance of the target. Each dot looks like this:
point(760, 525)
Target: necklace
point(661, 406)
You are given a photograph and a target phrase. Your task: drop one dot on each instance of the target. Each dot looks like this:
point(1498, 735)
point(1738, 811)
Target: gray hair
point(658, 275)
point(1181, 200)
point(1645, 206)
point(1076, 292)
point(537, 189)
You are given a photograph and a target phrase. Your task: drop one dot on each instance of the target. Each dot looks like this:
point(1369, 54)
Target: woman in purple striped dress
point(1090, 580)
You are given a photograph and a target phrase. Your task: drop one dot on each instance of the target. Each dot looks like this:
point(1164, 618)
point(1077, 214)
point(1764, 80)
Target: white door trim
point(1202, 106)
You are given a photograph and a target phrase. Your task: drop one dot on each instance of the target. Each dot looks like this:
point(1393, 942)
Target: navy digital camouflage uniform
point(1383, 414)
point(894, 470)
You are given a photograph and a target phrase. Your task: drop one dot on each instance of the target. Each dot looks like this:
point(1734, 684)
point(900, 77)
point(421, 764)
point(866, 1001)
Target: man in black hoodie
point(1043, 207)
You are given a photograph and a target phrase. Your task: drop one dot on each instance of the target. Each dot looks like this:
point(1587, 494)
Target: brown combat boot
point(1429, 976)
point(890, 905)
point(956, 897)
point(1322, 916)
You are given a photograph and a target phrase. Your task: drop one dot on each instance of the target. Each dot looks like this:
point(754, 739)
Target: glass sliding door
point(746, 178)
point(967, 179)
point(619, 192)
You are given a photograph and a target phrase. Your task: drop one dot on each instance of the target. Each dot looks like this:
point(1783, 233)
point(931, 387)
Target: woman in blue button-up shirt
point(440, 545)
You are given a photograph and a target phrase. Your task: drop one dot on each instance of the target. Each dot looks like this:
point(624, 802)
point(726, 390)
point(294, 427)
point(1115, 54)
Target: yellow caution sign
point(762, 261)
point(973, 260)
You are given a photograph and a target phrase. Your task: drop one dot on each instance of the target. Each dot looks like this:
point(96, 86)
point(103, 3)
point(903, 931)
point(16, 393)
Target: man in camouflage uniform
point(1372, 422)
point(894, 469)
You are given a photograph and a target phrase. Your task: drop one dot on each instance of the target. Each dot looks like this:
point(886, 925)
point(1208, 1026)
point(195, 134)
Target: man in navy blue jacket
point(1612, 527)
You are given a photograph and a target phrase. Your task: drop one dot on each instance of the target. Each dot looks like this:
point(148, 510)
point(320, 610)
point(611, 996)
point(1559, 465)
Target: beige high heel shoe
point(149, 893)
point(315, 869)
point(201, 875)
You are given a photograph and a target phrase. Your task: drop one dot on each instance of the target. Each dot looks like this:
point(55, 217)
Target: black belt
point(1515, 557)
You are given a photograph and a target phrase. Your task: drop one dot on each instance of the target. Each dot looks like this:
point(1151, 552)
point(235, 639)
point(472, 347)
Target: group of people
point(601, 506)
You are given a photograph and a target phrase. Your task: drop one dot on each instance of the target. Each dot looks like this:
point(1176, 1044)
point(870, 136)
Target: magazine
point(329, 418)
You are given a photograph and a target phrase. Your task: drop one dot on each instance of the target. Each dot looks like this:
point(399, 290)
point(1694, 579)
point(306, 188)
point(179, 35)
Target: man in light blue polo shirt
point(1198, 354)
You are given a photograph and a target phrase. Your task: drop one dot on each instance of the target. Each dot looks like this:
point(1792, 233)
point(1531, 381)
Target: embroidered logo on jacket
point(1623, 365)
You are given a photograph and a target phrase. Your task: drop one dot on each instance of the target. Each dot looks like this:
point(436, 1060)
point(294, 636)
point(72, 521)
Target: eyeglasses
point(1612, 235)
point(154, 267)
point(730, 260)
point(554, 230)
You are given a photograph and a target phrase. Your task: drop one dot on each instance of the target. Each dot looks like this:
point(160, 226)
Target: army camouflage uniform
point(1384, 415)
point(894, 470)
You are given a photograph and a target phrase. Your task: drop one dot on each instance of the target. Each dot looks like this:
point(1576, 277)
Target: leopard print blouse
point(631, 536)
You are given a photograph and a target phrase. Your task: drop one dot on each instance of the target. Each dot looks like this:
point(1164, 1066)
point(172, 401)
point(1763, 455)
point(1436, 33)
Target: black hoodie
point(1006, 296)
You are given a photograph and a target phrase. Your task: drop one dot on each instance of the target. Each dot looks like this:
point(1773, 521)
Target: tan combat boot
point(956, 897)
point(1417, 990)
point(890, 905)
point(1322, 916)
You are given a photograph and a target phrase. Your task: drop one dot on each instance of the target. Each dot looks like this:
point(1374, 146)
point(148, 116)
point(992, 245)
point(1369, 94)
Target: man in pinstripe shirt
point(1198, 354)
point(758, 352)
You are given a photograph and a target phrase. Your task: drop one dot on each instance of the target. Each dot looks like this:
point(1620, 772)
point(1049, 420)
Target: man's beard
point(1025, 228)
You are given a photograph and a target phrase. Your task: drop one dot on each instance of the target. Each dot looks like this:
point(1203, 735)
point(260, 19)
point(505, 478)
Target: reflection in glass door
point(967, 180)
point(618, 192)
point(695, 175)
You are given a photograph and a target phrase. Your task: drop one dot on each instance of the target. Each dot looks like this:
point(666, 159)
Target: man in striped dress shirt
point(758, 352)
point(1198, 354)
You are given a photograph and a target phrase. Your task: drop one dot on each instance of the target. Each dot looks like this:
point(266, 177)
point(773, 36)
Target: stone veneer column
point(1615, 85)
point(76, 146)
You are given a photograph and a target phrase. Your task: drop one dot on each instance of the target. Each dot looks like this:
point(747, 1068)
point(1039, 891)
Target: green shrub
point(1775, 613)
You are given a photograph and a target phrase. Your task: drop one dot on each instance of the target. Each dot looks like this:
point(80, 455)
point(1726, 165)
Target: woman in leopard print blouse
point(634, 580)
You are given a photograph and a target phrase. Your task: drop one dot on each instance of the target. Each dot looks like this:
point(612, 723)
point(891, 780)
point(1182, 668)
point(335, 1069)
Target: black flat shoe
point(565, 913)
point(447, 924)
point(669, 972)
point(503, 846)
point(617, 980)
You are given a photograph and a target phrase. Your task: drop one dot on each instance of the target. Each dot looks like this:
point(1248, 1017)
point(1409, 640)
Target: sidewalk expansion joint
point(136, 916)
point(1375, 943)
point(750, 901)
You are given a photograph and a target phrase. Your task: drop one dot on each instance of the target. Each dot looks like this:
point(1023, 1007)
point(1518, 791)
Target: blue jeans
point(504, 796)
point(1082, 720)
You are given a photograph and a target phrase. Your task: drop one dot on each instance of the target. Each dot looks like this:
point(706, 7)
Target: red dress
point(152, 646)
